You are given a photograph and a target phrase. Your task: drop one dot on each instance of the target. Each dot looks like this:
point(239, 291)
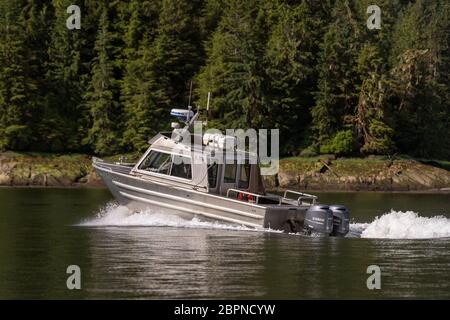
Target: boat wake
point(403, 225)
point(114, 215)
point(392, 225)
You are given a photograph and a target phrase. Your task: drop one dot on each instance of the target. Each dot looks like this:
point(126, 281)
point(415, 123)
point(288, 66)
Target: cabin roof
point(165, 143)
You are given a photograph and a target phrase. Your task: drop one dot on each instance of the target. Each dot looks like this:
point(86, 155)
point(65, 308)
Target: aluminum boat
point(194, 180)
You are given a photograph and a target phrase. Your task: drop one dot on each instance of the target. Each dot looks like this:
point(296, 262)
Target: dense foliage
point(309, 68)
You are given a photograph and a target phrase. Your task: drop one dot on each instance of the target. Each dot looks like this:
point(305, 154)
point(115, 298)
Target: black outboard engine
point(341, 220)
point(319, 220)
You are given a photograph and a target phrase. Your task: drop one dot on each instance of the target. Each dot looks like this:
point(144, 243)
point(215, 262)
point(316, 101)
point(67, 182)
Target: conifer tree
point(176, 51)
point(290, 61)
point(37, 16)
point(310, 68)
point(210, 15)
point(420, 79)
point(142, 111)
point(64, 122)
point(141, 114)
point(373, 134)
point(352, 85)
point(17, 88)
point(234, 70)
point(101, 98)
point(371, 119)
point(338, 79)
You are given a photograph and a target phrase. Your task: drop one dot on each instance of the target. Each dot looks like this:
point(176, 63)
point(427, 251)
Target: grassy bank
point(317, 173)
point(371, 174)
point(41, 169)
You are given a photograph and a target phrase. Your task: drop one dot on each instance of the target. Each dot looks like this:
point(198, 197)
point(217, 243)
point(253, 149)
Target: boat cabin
point(201, 167)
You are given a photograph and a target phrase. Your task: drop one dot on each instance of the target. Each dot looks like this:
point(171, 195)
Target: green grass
point(289, 163)
point(436, 163)
point(356, 166)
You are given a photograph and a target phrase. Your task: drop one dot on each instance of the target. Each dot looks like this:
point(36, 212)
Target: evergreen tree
point(17, 87)
point(310, 68)
point(371, 120)
point(338, 78)
point(176, 51)
point(211, 13)
point(64, 122)
point(290, 60)
point(141, 113)
point(159, 69)
point(142, 110)
point(37, 18)
point(373, 134)
point(234, 72)
point(352, 85)
point(101, 98)
point(420, 79)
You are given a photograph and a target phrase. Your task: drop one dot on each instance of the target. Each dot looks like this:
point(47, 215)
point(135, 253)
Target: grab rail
point(302, 195)
point(257, 196)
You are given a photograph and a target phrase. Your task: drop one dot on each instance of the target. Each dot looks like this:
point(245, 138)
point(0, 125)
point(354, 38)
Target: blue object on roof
point(182, 114)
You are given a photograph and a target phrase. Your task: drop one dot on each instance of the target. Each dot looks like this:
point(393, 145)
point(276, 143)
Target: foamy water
point(113, 215)
point(406, 225)
point(392, 225)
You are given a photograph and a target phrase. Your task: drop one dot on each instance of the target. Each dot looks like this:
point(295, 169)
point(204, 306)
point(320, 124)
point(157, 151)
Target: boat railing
point(111, 166)
point(123, 162)
point(256, 196)
point(302, 196)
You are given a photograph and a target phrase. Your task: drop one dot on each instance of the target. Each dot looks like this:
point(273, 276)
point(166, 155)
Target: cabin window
point(244, 176)
point(157, 162)
point(181, 167)
point(212, 175)
point(230, 173)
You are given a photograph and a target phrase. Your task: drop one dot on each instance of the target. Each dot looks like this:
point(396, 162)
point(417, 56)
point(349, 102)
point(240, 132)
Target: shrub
point(309, 152)
point(342, 143)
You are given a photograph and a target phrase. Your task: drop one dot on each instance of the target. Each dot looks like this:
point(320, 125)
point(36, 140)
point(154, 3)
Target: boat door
point(229, 177)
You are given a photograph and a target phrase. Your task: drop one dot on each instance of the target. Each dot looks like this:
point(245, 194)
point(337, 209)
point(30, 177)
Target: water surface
point(149, 255)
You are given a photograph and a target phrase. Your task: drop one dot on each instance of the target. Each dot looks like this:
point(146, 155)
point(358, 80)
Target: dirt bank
point(32, 169)
point(322, 173)
point(370, 174)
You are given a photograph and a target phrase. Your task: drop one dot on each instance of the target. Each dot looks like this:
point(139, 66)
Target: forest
point(310, 68)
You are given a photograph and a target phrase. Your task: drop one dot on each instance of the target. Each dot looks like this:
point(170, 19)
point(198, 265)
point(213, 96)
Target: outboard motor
point(341, 220)
point(319, 219)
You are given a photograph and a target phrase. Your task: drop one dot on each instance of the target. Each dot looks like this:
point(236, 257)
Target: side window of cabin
point(212, 175)
point(157, 162)
point(230, 173)
point(145, 165)
point(244, 176)
point(181, 167)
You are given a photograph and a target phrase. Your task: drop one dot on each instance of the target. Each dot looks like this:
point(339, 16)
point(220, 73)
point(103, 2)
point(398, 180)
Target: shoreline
point(317, 174)
point(99, 187)
point(372, 174)
point(429, 191)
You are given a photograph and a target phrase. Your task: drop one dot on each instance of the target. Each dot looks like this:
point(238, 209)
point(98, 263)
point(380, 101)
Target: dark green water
point(40, 235)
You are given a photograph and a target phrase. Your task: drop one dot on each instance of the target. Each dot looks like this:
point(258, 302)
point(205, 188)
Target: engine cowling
point(319, 219)
point(341, 220)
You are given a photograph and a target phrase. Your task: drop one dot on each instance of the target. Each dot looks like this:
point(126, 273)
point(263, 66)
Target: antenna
point(190, 95)
point(207, 106)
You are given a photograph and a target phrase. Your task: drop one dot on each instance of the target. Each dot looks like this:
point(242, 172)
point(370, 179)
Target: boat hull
point(139, 194)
